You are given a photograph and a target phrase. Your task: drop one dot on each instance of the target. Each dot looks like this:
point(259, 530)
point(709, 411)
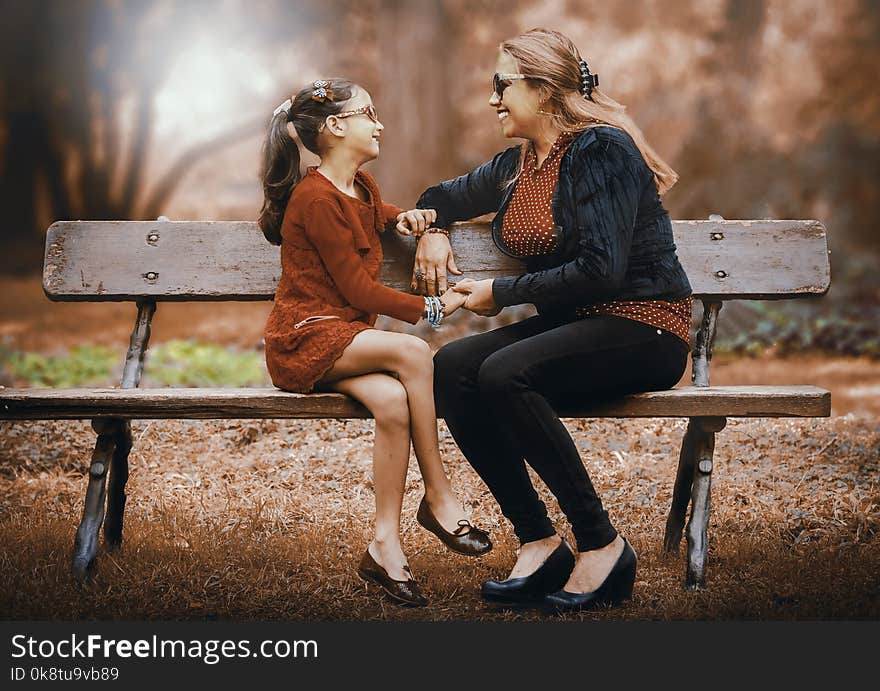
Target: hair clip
point(321, 93)
point(283, 108)
point(588, 81)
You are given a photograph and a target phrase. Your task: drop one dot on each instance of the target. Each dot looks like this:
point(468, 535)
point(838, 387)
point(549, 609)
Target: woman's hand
point(479, 296)
point(433, 259)
point(415, 221)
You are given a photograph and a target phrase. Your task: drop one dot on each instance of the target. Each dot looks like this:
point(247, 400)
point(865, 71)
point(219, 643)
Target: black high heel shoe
point(617, 587)
point(529, 590)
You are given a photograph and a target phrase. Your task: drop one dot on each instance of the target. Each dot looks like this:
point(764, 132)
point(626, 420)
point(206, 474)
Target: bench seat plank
point(217, 403)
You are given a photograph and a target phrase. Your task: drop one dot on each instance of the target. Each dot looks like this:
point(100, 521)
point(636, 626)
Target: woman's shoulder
point(604, 143)
point(605, 137)
point(502, 165)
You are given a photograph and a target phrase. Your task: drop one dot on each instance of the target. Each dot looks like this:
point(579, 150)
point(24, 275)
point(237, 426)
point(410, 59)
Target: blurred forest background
point(128, 109)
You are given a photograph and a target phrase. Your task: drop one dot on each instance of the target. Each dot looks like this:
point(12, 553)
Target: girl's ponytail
point(280, 166)
point(280, 174)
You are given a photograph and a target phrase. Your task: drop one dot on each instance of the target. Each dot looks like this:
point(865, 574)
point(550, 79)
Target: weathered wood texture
point(85, 545)
point(701, 356)
point(701, 489)
point(687, 401)
point(230, 260)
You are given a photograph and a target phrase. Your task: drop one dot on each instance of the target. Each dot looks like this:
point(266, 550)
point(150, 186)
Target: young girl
point(320, 335)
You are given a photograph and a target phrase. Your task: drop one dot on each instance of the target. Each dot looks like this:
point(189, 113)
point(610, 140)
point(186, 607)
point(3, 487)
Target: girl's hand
point(453, 300)
point(433, 259)
point(415, 221)
point(479, 299)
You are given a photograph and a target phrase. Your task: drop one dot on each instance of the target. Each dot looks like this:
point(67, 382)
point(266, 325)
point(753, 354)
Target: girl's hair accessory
point(321, 93)
point(588, 81)
point(283, 108)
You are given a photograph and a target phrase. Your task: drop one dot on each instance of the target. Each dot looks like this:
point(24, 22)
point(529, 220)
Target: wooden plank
point(174, 403)
point(230, 260)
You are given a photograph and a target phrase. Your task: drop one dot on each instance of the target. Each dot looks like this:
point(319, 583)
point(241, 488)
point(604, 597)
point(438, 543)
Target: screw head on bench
point(721, 273)
point(717, 236)
point(152, 238)
point(151, 275)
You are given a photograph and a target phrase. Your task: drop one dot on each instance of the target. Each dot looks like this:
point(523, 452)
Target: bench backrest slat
point(230, 260)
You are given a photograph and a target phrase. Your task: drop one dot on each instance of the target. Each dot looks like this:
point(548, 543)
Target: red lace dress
point(330, 288)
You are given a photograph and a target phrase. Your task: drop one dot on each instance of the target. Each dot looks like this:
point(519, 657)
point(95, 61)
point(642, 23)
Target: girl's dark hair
point(280, 166)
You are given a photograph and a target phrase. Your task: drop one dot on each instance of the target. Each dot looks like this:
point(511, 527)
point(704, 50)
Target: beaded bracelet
point(433, 230)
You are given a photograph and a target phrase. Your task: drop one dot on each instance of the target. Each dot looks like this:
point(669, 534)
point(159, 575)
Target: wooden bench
point(149, 262)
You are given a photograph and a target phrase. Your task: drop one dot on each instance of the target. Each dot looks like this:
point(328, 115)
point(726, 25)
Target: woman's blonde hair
point(552, 60)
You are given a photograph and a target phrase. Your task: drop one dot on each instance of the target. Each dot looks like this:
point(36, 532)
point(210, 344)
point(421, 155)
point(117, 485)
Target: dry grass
point(265, 520)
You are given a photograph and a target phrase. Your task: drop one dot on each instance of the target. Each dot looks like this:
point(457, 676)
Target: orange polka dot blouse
point(528, 227)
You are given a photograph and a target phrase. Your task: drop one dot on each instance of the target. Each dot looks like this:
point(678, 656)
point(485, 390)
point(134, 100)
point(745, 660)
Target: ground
point(266, 520)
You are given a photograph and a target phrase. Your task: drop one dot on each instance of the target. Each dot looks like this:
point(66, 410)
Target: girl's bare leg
point(411, 360)
point(385, 397)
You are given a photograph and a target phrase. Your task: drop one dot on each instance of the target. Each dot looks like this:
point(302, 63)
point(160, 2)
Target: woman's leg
point(385, 397)
point(410, 359)
point(483, 438)
point(580, 362)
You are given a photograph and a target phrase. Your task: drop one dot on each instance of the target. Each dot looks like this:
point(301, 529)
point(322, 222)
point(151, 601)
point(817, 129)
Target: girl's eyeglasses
point(367, 110)
point(502, 80)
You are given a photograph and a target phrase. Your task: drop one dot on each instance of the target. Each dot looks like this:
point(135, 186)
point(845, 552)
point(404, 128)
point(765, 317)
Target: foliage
point(846, 321)
point(190, 363)
point(780, 327)
point(84, 365)
point(175, 363)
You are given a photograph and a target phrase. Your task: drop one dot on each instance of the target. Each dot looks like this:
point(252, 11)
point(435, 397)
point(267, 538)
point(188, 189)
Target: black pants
point(499, 390)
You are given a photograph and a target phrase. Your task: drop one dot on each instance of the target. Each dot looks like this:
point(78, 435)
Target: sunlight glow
point(211, 86)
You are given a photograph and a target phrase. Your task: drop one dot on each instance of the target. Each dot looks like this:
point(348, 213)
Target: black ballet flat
point(466, 539)
point(531, 589)
point(402, 592)
point(617, 587)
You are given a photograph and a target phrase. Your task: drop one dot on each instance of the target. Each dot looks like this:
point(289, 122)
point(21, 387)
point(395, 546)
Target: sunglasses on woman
point(502, 80)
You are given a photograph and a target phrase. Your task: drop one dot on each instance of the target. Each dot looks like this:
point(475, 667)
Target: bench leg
point(116, 489)
point(681, 492)
point(86, 544)
point(698, 524)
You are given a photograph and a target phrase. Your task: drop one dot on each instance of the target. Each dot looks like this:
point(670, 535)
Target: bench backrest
point(230, 260)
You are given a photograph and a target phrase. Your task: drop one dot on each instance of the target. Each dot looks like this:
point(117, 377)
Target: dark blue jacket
point(613, 236)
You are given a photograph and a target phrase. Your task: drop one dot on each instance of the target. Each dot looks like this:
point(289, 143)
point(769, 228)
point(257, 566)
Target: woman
point(579, 203)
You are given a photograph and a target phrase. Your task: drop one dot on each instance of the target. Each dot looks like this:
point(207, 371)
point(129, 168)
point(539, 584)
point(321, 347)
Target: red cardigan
point(330, 288)
point(331, 256)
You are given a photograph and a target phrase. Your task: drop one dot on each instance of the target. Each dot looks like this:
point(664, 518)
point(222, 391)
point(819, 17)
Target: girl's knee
point(415, 356)
point(390, 405)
